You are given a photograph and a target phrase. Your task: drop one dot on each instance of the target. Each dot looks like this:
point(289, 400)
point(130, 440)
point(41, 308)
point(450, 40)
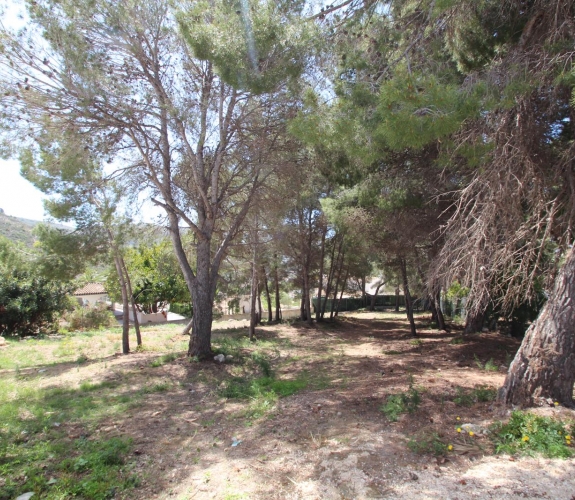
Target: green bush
point(30, 304)
point(183, 309)
point(405, 402)
point(84, 318)
point(529, 434)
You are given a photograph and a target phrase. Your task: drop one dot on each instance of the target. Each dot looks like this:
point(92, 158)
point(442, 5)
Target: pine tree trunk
point(318, 314)
point(474, 321)
point(330, 277)
point(397, 298)
point(544, 366)
point(125, 307)
point(132, 303)
point(268, 298)
point(408, 301)
point(277, 287)
point(253, 298)
point(440, 318)
point(374, 298)
point(202, 304)
point(342, 289)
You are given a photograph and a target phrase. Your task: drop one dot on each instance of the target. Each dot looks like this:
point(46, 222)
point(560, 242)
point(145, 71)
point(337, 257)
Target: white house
point(91, 294)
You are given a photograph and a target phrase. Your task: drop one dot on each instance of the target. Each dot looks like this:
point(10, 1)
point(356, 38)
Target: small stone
point(220, 358)
point(26, 496)
point(229, 357)
point(3, 342)
point(413, 476)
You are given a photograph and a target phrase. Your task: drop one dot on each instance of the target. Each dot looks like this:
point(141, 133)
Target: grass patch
point(457, 340)
point(428, 444)
point(392, 352)
point(480, 394)
point(405, 402)
point(164, 359)
point(528, 434)
point(37, 453)
point(489, 365)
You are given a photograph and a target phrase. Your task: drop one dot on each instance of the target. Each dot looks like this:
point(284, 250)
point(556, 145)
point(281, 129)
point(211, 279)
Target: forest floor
point(295, 415)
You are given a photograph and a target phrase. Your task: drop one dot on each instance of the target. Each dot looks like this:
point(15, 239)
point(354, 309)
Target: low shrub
point(90, 318)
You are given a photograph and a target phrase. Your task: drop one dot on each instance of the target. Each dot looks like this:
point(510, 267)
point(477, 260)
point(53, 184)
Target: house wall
point(91, 299)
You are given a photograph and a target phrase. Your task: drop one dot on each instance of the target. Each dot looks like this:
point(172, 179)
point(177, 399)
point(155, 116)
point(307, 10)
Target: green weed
point(528, 434)
point(489, 365)
point(480, 394)
point(431, 444)
point(164, 359)
point(405, 402)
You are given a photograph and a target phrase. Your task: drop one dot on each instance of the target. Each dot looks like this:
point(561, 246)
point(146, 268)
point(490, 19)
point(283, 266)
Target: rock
point(3, 342)
point(220, 358)
point(476, 429)
point(229, 357)
point(26, 496)
point(413, 476)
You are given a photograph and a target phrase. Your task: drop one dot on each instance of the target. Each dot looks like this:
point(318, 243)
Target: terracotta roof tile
point(91, 289)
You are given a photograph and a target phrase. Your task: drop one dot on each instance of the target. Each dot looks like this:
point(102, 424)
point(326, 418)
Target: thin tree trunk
point(330, 277)
point(125, 307)
point(374, 298)
point(337, 282)
point(440, 317)
point(363, 296)
point(408, 301)
point(133, 304)
point(318, 314)
point(188, 327)
point(397, 298)
point(268, 298)
point(544, 366)
point(342, 289)
point(253, 297)
point(277, 288)
point(260, 312)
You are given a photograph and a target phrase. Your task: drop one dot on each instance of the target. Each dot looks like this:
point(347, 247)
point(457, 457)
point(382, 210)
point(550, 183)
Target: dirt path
point(330, 440)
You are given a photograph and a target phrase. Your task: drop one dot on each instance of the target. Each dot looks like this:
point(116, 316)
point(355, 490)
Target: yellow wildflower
point(525, 438)
point(450, 447)
point(457, 418)
point(459, 429)
point(471, 433)
point(556, 403)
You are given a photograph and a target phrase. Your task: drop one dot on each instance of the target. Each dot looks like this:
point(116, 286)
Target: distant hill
point(20, 230)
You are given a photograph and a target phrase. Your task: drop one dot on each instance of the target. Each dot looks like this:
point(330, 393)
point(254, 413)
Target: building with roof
point(91, 294)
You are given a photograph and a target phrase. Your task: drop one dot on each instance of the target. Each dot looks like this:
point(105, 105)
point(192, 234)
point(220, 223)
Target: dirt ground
point(332, 441)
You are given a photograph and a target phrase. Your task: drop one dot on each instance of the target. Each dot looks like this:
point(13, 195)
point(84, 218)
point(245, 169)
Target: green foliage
point(405, 402)
point(30, 304)
point(254, 45)
point(155, 275)
point(427, 444)
point(528, 434)
point(183, 309)
point(88, 318)
point(489, 365)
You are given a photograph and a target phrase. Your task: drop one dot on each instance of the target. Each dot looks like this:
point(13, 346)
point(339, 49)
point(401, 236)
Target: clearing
point(296, 415)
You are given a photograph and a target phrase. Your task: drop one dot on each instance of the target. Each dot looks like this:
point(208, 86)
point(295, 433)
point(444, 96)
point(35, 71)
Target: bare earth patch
point(330, 440)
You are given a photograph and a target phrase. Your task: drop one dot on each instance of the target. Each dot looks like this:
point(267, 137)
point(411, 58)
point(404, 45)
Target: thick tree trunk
point(474, 321)
point(202, 291)
point(544, 366)
point(125, 307)
point(268, 298)
point(408, 301)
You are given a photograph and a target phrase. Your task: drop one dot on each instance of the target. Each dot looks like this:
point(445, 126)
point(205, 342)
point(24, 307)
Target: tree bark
point(374, 298)
point(397, 298)
point(132, 303)
point(253, 297)
point(318, 313)
point(125, 307)
point(474, 321)
point(341, 293)
point(331, 274)
point(202, 291)
point(268, 298)
point(408, 301)
point(440, 319)
point(544, 366)
point(277, 288)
